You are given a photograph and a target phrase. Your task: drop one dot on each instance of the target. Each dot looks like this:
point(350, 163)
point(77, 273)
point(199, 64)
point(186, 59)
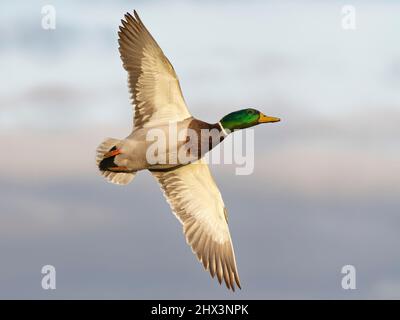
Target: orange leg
point(118, 169)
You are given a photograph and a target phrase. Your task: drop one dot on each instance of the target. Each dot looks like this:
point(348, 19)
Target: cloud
point(123, 242)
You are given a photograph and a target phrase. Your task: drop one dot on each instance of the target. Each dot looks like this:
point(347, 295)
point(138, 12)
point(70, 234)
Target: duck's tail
point(106, 153)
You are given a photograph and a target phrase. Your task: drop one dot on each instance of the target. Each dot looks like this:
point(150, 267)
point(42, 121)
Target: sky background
point(326, 184)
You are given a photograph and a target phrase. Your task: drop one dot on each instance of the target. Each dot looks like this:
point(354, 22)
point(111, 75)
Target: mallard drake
point(187, 185)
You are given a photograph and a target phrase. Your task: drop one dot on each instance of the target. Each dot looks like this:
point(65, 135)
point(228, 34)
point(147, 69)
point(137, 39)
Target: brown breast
point(208, 135)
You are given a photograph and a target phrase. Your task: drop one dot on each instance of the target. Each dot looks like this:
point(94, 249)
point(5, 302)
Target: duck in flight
point(187, 185)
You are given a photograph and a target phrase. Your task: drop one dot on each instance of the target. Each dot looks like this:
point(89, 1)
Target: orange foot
point(112, 153)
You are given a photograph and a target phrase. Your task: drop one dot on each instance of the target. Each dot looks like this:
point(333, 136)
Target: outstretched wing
point(197, 203)
point(154, 86)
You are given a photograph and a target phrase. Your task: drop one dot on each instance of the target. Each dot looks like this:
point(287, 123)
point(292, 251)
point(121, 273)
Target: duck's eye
point(250, 112)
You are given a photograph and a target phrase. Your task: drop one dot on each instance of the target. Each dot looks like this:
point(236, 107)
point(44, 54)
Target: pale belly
point(163, 148)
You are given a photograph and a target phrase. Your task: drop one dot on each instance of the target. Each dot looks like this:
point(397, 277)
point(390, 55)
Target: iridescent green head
point(245, 118)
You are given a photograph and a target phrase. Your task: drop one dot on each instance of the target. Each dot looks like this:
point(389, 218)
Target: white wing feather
point(154, 85)
point(196, 201)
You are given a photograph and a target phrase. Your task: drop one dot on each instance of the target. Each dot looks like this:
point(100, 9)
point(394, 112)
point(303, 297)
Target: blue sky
point(325, 188)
